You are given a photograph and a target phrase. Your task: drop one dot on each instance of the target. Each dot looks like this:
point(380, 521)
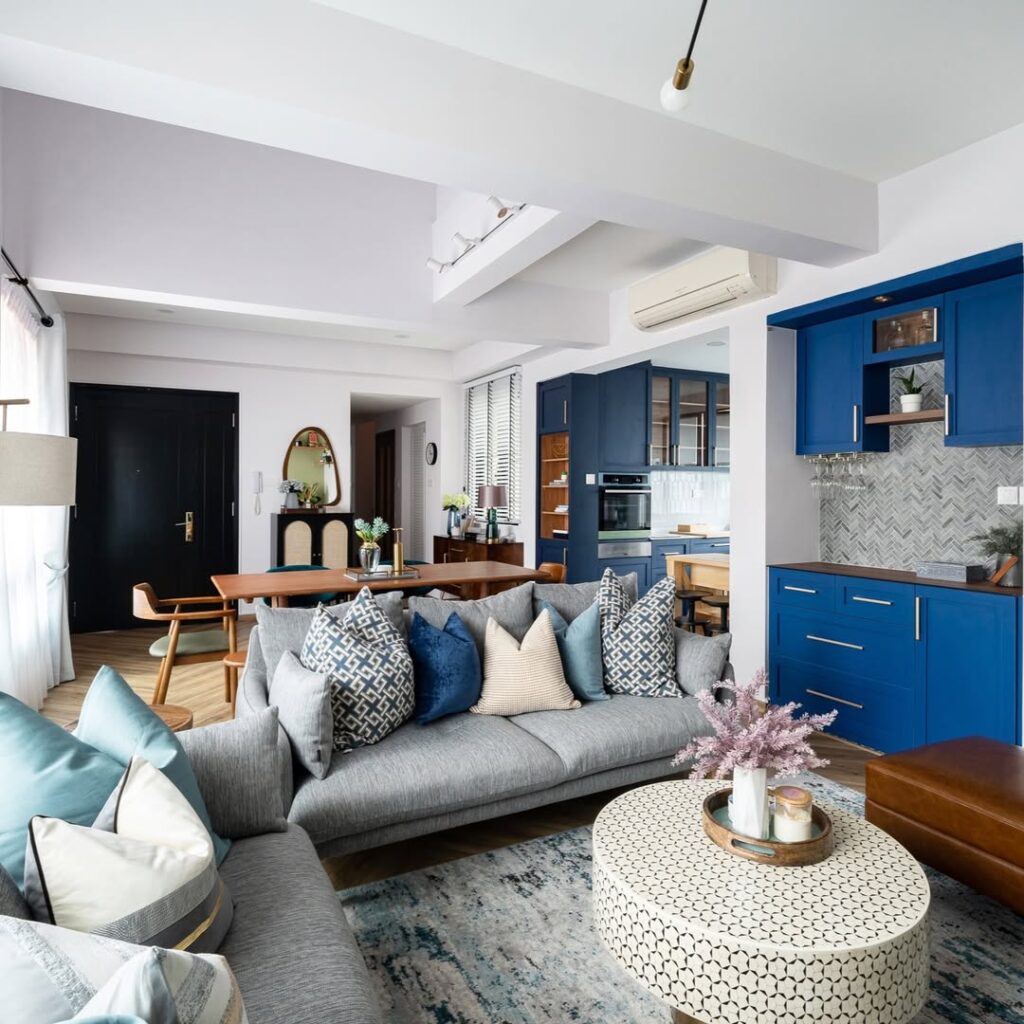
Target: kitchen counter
point(672, 535)
point(894, 576)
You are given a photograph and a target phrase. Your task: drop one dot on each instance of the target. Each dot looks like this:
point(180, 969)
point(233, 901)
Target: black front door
point(148, 459)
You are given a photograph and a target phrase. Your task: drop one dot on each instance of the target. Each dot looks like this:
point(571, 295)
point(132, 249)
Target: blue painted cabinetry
point(553, 398)
point(902, 663)
point(624, 421)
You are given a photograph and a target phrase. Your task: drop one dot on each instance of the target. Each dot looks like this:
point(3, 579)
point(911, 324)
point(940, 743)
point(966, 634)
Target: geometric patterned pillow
point(638, 644)
point(368, 665)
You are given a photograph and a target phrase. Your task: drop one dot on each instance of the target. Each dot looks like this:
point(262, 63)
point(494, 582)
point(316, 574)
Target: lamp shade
point(37, 469)
point(491, 496)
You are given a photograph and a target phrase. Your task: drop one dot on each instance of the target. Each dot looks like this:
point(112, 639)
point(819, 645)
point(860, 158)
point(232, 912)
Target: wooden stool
point(556, 570)
point(233, 662)
point(688, 611)
point(721, 602)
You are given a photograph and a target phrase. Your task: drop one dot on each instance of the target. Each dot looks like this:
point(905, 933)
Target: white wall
point(965, 203)
point(274, 402)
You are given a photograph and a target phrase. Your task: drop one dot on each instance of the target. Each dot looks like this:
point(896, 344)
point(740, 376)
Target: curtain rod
point(44, 318)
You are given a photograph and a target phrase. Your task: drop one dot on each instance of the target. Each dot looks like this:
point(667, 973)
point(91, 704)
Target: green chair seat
point(303, 600)
point(202, 642)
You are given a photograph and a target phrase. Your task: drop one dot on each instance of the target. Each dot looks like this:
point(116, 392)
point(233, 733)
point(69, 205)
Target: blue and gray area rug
point(506, 938)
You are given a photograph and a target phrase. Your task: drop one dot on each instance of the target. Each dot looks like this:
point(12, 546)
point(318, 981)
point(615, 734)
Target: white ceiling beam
point(306, 77)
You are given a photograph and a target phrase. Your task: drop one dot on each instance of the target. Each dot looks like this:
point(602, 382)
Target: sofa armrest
point(251, 698)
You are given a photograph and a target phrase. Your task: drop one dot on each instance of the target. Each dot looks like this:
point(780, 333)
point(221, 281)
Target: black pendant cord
point(696, 29)
point(44, 318)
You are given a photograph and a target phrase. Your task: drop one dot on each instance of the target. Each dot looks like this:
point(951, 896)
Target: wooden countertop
point(868, 572)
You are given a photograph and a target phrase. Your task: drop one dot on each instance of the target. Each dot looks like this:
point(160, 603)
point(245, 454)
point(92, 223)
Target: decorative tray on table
point(382, 574)
point(766, 851)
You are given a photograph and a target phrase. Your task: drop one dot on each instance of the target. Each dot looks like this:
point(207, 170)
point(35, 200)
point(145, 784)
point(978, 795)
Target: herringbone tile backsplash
point(923, 501)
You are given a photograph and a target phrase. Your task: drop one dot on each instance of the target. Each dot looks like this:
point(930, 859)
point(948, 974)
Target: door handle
point(565, 556)
point(799, 590)
point(856, 423)
point(838, 700)
point(871, 600)
point(834, 643)
point(945, 413)
point(917, 618)
point(650, 455)
point(565, 411)
point(190, 527)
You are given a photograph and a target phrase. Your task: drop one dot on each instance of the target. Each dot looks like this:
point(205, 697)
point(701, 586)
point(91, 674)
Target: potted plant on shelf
point(750, 740)
point(1005, 544)
point(310, 495)
point(454, 505)
point(912, 397)
point(370, 534)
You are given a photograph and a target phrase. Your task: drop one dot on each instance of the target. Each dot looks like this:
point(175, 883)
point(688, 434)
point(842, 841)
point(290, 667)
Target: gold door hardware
point(190, 527)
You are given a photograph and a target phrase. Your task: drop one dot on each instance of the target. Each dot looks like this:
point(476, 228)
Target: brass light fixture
point(674, 97)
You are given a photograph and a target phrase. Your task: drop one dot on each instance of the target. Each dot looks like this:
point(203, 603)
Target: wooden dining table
point(486, 577)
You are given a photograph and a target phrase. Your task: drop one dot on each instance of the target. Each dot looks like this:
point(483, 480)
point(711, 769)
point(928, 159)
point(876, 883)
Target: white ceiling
point(870, 87)
point(610, 256)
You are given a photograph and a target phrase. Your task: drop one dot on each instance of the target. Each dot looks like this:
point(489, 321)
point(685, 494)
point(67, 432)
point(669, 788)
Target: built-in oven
point(624, 506)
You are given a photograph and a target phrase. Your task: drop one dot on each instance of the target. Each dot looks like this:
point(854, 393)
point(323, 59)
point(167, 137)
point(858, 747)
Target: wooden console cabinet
point(459, 549)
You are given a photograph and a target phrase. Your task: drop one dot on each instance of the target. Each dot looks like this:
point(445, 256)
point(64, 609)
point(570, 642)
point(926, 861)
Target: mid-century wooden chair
point(556, 570)
point(190, 647)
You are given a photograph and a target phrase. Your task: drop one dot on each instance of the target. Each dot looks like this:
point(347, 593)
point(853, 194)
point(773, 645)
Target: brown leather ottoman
point(958, 806)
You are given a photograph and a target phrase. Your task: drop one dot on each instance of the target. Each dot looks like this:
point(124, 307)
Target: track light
point(674, 97)
point(503, 209)
point(436, 265)
point(464, 243)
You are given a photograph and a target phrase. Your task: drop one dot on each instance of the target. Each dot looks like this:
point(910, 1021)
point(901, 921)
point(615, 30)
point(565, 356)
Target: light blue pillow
point(45, 770)
point(579, 645)
point(119, 723)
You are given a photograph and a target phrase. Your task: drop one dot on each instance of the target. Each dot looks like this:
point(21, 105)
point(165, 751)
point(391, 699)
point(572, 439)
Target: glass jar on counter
point(791, 821)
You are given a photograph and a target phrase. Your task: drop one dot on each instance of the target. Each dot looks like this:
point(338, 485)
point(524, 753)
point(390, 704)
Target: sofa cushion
point(12, 903)
point(303, 700)
point(239, 773)
point(572, 599)
point(290, 946)
point(700, 660)
point(284, 629)
point(637, 640)
point(446, 666)
point(117, 721)
point(621, 731)
point(511, 609)
point(422, 770)
point(579, 647)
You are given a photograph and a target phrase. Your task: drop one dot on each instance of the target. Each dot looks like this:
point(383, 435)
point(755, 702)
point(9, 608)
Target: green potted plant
point(370, 534)
point(310, 495)
point(912, 397)
point(1004, 543)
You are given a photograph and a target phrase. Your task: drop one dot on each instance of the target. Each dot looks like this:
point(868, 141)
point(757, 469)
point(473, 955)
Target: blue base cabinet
point(902, 663)
point(624, 566)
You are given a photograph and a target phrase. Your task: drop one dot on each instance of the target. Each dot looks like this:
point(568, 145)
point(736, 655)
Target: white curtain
point(35, 646)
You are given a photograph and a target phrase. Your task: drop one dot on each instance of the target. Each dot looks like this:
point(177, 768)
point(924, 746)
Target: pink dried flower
point(748, 737)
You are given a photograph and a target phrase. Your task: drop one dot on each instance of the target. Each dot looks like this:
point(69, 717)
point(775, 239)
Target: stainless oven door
point(624, 512)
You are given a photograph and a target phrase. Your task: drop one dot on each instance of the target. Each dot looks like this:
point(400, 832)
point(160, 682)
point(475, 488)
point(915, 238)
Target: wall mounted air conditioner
point(706, 284)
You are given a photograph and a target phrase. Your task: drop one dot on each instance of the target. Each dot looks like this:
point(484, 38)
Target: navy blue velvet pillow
point(446, 665)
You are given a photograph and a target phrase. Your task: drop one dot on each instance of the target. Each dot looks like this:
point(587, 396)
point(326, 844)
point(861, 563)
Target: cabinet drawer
point(876, 600)
point(812, 591)
point(870, 713)
point(710, 546)
point(844, 644)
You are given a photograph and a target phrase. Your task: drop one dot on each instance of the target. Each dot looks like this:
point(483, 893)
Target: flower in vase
point(370, 533)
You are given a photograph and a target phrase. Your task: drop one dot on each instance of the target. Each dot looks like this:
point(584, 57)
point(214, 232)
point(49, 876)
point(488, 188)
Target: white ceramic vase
point(911, 403)
point(748, 805)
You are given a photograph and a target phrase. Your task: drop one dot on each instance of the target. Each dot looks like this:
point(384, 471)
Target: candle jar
point(791, 822)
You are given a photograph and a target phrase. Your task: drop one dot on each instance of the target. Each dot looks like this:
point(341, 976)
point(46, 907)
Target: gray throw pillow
point(284, 629)
point(700, 660)
point(12, 903)
point(571, 600)
point(236, 766)
point(511, 609)
point(303, 700)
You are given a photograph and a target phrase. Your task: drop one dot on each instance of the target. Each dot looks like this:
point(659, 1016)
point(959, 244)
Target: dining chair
point(556, 570)
point(188, 647)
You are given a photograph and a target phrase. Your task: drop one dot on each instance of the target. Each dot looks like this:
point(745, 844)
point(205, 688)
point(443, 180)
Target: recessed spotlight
point(715, 344)
point(401, 337)
point(882, 299)
point(163, 310)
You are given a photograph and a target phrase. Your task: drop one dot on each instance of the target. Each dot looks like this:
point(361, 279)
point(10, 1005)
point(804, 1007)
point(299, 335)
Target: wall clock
point(431, 453)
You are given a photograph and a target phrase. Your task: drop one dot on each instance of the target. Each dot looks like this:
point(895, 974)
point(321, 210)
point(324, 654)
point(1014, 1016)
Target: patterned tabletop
point(727, 939)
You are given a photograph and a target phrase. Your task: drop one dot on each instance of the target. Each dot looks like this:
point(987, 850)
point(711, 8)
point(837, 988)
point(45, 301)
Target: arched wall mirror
point(310, 461)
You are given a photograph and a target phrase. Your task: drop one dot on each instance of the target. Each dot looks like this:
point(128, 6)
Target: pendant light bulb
point(675, 95)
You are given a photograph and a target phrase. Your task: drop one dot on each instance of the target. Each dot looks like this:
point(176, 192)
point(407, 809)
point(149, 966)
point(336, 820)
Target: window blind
point(492, 440)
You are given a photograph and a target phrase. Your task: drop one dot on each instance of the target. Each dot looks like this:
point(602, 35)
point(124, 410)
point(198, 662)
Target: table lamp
point(35, 469)
point(491, 497)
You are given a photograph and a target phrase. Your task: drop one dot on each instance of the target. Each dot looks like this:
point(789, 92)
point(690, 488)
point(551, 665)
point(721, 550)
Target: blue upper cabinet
point(553, 398)
point(623, 423)
point(830, 390)
point(984, 327)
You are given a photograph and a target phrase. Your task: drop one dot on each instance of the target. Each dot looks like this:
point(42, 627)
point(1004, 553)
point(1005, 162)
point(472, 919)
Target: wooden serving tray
point(766, 851)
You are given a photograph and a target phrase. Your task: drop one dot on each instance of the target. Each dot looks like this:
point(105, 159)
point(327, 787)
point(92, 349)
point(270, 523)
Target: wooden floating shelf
point(923, 416)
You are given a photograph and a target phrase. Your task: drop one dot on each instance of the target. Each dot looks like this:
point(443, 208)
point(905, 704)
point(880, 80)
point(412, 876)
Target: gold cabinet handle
point(190, 527)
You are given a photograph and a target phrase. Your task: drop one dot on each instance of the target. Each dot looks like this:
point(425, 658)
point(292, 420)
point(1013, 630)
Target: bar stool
point(721, 602)
point(688, 600)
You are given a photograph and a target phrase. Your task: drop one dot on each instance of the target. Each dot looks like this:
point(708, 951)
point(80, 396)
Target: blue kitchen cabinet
point(984, 327)
point(660, 549)
point(968, 664)
point(624, 566)
point(556, 551)
point(709, 546)
point(623, 423)
point(830, 382)
point(553, 405)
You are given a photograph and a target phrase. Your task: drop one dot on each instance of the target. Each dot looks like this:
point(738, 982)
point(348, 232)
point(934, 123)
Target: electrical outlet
point(591, 478)
point(1007, 495)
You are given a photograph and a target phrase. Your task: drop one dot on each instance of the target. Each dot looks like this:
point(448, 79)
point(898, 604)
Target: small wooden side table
point(174, 716)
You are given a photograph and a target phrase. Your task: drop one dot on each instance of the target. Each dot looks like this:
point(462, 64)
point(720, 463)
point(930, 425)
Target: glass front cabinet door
point(660, 453)
point(691, 447)
point(720, 451)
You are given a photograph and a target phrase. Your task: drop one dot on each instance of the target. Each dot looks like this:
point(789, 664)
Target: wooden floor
point(200, 687)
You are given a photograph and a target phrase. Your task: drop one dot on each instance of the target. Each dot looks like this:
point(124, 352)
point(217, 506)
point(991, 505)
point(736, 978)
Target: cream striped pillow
point(519, 678)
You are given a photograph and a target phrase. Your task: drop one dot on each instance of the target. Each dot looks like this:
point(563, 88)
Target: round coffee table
point(730, 941)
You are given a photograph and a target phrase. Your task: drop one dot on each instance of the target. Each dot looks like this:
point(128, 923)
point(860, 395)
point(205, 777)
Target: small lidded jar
point(791, 822)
